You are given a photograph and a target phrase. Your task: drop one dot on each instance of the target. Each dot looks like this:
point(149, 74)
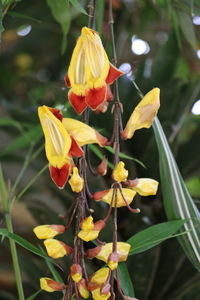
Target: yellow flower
point(76, 272)
point(90, 231)
point(144, 186)
point(120, 174)
point(89, 72)
point(107, 196)
point(82, 288)
point(104, 252)
point(144, 113)
point(63, 140)
point(76, 182)
point(57, 249)
point(100, 276)
point(97, 295)
point(50, 285)
point(48, 231)
point(83, 133)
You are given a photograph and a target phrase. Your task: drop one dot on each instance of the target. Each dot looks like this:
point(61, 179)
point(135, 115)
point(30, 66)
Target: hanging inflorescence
point(89, 77)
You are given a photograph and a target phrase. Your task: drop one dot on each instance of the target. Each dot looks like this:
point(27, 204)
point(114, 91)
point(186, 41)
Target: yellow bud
point(76, 272)
point(89, 235)
point(76, 182)
point(56, 249)
point(48, 231)
point(50, 285)
point(120, 173)
point(145, 186)
point(82, 288)
point(87, 224)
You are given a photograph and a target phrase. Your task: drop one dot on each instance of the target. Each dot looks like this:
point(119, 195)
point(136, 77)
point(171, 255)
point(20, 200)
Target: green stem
point(8, 219)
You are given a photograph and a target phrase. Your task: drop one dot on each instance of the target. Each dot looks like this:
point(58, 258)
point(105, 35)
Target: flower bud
point(143, 186)
point(87, 223)
point(90, 231)
point(57, 249)
point(76, 272)
point(120, 174)
point(76, 181)
point(50, 285)
point(82, 288)
point(48, 231)
point(102, 167)
point(113, 260)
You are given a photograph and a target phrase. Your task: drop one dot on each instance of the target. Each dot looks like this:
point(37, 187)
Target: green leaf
point(22, 242)
point(193, 185)
point(23, 16)
point(187, 28)
point(177, 200)
point(125, 280)
point(78, 6)
point(34, 295)
point(23, 141)
point(1, 18)
point(122, 155)
point(153, 236)
point(10, 122)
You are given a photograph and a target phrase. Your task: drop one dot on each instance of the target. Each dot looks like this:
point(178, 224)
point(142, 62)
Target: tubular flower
point(103, 252)
point(143, 186)
point(107, 196)
point(50, 285)
point(90, 231)
point(57, 249)
point(48, 231)
point(82, 288)
point(144, 113)
point(61, 145)
point(76, 272)
point(120, 174)
point(89, 72)
point(76, 181)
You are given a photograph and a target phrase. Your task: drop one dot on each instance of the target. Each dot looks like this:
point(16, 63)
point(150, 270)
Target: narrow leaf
point(22, 242)
point(125, 280)
point(177, 200)
point(78, 6)
point(153, 236)
point(1, 19)
point(187, 28)
point(122, 155)
point(100, 15)
point(34, 295)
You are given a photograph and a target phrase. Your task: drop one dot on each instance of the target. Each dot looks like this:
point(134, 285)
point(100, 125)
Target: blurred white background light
point(139, 46)
point(196, 20)
point(24, 30)
point(196, 108)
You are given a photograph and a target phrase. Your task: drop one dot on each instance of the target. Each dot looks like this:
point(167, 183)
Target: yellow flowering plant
point(89, 77)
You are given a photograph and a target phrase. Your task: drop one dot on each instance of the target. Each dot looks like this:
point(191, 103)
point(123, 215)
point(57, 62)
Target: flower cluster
point(89, 78)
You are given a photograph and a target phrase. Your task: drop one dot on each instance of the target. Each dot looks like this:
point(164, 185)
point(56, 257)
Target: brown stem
point(134, 210)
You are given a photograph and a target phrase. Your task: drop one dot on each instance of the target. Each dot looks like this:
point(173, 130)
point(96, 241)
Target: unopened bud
point(50, 285)
point(103, 167)
point(76, 181)
point(120, 173)
point(113, 260)
point(57, 249)
point(76, 272)
point(48, 231)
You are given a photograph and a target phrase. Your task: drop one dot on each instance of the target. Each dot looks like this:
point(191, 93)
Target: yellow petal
point(55, 248)
point(146, 186)
point(48, 231)
point(82, 133)
point(97, 295)
point(122, 250)
point(82, 287)
point(57, 140)
point(107, 196)
point(76, 182)
point(120, 173)
point(50, 285)
point(88, 235)
point(87, 223)
point(100, 276)
point(144, 113)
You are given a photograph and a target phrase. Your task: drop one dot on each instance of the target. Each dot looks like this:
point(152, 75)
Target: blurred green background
point(158, 44)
